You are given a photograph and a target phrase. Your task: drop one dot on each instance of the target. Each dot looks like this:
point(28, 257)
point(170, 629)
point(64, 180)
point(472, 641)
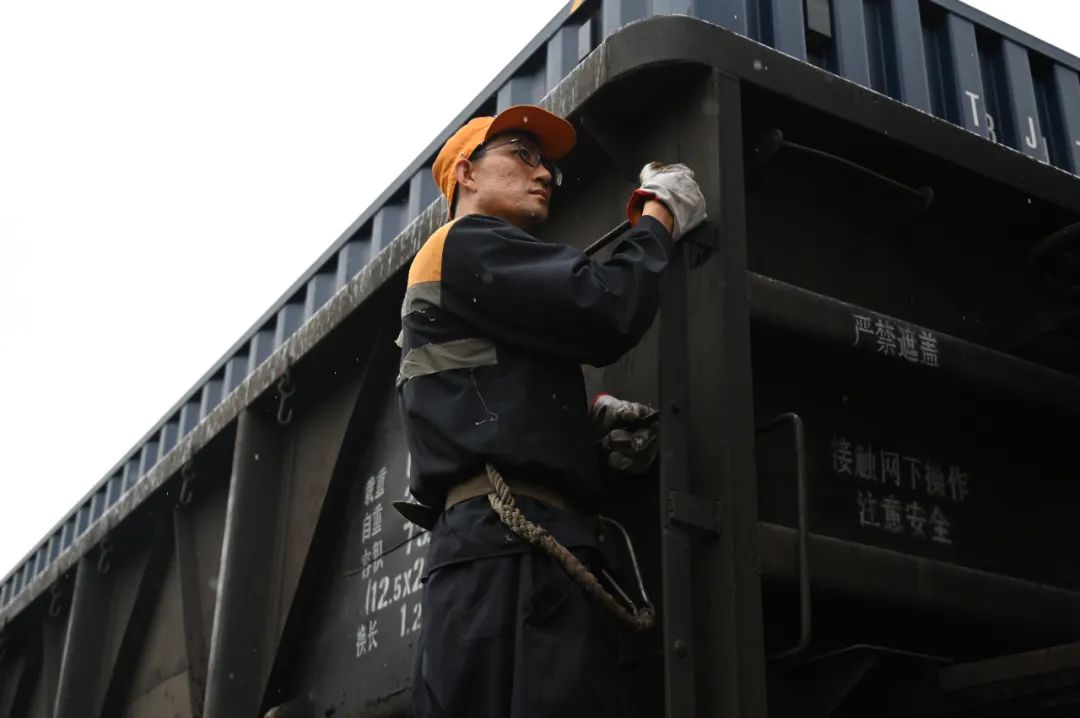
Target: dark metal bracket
point(56, 597)
point(296, 708)
point(1063, 277)
point(610, 147)
point(838, 682)
point(696, 515)
point(105, 550)
point(703, 241)
point(799, 432)
point(187, 477)
point(286, 388)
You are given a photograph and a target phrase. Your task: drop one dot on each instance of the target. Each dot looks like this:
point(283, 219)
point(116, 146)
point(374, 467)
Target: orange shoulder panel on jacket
point(427, 264)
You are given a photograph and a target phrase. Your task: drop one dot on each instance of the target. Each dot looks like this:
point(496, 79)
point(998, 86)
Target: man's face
point(507, 186)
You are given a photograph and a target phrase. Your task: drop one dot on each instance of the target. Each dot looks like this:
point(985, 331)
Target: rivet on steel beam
point(285, 389)
point(682, 649)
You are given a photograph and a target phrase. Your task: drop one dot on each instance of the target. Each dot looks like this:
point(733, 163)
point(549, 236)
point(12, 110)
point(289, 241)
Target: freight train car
point(867, 364)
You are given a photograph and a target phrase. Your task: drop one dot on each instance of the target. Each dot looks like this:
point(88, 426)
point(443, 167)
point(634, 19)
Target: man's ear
point(463, 171)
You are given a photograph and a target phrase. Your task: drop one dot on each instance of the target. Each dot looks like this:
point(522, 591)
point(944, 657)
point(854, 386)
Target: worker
point(495, 327)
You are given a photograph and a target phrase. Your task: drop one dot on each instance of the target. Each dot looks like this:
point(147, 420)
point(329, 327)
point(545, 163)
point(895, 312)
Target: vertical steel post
point(16, 703)
point(78, 694)
point(134, 629)
point(711, 588)
point(720, 372)
point(53, 631)
point(191, 606)
point(678, 625)
point(245, 617)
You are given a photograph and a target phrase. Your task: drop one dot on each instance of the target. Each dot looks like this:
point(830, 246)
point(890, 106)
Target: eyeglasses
point(531, 157)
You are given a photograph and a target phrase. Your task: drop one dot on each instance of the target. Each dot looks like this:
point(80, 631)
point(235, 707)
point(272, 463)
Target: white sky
point(168, 170)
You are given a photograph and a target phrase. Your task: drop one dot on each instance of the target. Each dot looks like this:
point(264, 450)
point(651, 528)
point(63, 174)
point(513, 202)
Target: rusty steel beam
point(346, 429)
point(655, 42)
point(711, 590)
point(1045, 677)
point(191, 606)
point(111, 607)
point(828, 321)
point(78, 693)
point(850, 568)
point(677, 608)
point(245, 618)
point(136, 623)
point(16, 702)
point(721, 417)
point(53, 630)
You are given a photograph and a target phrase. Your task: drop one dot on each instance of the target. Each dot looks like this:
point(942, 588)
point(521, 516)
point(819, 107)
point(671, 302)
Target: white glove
point(674, 185)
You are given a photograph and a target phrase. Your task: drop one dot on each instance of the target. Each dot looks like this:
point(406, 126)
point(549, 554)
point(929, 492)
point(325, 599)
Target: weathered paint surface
point(927, 368)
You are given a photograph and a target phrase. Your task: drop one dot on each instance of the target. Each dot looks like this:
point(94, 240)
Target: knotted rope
point(502, 501)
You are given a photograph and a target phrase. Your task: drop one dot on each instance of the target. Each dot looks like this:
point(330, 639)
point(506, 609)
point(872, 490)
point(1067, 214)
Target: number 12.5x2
point(384, 591)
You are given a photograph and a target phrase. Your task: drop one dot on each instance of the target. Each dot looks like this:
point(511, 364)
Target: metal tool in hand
point(607, 238)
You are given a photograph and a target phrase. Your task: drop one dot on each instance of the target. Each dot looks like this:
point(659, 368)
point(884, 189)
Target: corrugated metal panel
point(1067, 97)
point(236, 368)
point(788, 27)
point(189, 415)
point(319, 290)
point(352, 258)
point(850, 47)
point(389, 220)
point(211, 395)
point(616, 13)
point(116, 488)
point(734, 15)
point(262, 344)
point(422, 192)
point(167, 438)
point(131, 473)
point(964, 95)
point(1019, 101)
point(936, 55)
point(562, 54)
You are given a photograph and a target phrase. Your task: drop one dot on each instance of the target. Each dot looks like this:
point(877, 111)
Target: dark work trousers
point(511, 635)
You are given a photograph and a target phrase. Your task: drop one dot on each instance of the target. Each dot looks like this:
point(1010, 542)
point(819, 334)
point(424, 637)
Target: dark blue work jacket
point(495, 327)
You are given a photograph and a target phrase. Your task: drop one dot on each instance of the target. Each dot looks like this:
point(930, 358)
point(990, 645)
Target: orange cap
point(555, 135)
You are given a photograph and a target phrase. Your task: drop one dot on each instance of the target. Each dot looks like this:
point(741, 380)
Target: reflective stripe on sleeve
point(458, 354)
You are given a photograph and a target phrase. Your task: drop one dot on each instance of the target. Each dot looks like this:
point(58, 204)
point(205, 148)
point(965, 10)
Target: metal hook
point(633, 562)
point(105, 550)
point(187, 476)
point(57, 593)
point(285, 389)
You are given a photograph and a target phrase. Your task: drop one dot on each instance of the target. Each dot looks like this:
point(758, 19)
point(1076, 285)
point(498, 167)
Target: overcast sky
point(167, 170)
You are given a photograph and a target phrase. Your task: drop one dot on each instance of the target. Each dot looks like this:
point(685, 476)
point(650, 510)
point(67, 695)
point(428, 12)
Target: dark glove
point(632, 451)
point(628, 430)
